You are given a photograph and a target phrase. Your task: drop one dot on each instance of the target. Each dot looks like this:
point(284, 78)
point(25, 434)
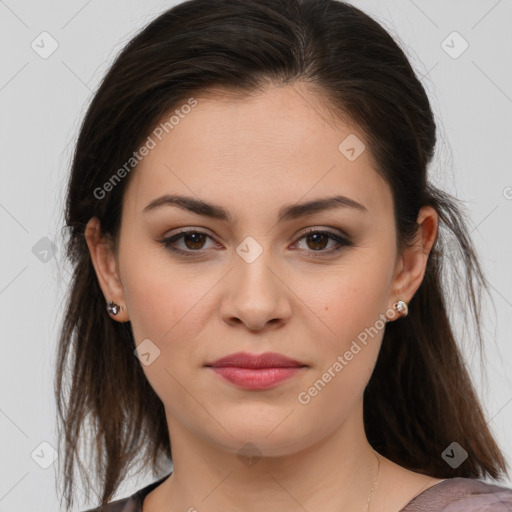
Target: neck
point(337, 473)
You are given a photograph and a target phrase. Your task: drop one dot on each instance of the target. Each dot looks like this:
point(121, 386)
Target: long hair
point(420, 397)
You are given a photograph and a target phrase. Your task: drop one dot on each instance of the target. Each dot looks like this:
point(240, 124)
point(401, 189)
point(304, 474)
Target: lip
point(255, 361)
point(256, 371)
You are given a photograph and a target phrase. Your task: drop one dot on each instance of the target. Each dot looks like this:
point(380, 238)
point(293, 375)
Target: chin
point(264, 439)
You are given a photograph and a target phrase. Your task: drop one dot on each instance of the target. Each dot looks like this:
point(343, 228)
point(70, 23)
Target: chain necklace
point(374, 484)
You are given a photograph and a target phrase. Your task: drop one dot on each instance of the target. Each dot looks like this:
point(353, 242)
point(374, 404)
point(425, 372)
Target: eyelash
point(342, 241)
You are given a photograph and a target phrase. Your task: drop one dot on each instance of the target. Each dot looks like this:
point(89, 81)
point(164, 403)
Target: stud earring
point(401, 307)
point(113, 308)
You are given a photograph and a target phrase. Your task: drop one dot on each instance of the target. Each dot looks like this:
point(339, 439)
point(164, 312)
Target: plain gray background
point(42, 101)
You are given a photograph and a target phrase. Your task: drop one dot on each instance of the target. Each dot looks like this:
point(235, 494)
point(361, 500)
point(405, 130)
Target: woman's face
point(251, 279)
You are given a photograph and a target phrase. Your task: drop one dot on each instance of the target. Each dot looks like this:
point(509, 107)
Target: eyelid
point(334, 231)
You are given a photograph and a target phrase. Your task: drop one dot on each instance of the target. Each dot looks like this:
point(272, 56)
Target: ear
point(105, 264)
point(412, 262)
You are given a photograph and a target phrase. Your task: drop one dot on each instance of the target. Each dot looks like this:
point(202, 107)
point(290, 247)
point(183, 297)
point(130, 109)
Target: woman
point(259, 272)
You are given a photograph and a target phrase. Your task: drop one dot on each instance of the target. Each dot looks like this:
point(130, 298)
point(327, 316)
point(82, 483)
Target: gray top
point(451, 495)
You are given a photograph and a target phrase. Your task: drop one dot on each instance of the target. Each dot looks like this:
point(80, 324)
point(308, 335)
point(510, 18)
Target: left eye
point(319, 239)
point(315, 239)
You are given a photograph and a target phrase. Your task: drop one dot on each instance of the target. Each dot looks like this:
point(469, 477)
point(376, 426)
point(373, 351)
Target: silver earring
point(401, 307)
point(113, 308)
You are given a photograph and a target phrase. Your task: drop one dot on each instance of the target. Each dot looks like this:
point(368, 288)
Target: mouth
point(256, 371)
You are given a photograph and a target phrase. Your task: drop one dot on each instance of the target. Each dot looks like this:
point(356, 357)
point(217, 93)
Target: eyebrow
point(289, 212)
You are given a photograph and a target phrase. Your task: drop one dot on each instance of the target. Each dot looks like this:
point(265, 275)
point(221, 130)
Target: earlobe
point(105, 265)
point(413, 260)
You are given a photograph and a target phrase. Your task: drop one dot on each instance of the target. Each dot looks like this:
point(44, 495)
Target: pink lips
point(256, 371)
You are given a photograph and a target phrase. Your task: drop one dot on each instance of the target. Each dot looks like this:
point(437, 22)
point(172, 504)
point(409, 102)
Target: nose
point(256, 295)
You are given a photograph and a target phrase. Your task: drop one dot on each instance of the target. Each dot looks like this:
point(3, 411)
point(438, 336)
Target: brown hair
point(420, 397)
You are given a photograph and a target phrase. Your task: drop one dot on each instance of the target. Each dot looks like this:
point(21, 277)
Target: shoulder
point(132, 503)
point(462, 495)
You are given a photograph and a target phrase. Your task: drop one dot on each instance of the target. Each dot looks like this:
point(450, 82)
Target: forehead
point(278, 146)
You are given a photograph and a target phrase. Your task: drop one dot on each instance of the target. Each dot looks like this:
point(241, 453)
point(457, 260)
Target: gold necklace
point(374, 483)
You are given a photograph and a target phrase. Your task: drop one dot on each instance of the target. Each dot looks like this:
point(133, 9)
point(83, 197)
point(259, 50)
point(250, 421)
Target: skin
point(252, 156)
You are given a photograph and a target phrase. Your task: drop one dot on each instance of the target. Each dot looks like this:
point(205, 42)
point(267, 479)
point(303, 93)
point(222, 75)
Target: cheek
point(162, 305)
point(352, 303)
point(165, 307)
point(354, 296)
point(161, 295)
point(347, 353)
